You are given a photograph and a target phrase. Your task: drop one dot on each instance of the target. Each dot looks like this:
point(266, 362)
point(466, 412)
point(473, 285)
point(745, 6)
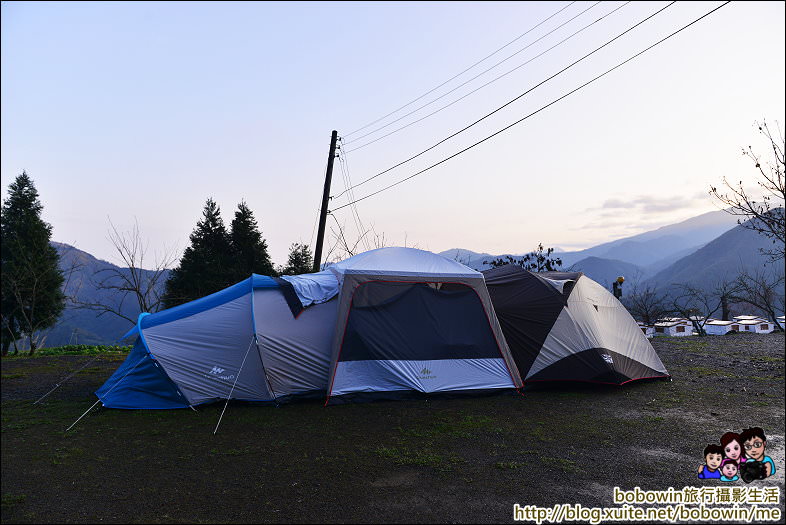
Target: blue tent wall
point(140, 383)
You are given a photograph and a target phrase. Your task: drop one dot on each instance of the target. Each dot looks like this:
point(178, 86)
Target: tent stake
point(233, 386)
point(107, 393)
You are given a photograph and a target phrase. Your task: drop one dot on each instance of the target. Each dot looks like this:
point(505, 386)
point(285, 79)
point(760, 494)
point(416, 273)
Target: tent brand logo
point(607, 358)
point(215, 373)
point(426, 374)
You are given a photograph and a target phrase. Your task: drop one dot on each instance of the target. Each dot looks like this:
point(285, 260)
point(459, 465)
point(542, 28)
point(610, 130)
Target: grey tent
point(412, 323)
point(563, 326)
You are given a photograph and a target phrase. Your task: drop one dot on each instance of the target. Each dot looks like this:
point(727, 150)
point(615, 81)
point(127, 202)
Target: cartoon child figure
point(729, 470)
point(755, 442)
point(732, 447)
point(713, 455)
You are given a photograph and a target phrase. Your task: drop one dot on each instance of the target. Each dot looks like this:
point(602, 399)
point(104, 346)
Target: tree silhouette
point(248, 247)
point(206, 265)
point(535, 261)
point(32, 295)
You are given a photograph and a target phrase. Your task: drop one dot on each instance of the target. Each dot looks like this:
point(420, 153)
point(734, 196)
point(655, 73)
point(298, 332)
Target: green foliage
point(83, 350)
point(536, 261)
point(300, 260)
point(248, 246)
point(32, 295)
point(206, 265)
point(217, 258)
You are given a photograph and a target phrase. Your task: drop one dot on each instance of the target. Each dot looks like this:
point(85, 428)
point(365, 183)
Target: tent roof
point(403, 261)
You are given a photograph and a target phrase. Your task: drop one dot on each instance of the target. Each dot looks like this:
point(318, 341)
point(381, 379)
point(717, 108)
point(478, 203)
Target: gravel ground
point(460, 460)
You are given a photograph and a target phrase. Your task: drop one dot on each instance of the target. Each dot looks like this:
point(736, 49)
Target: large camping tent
point(563, 326)
point(412, 323)
point(263, 339)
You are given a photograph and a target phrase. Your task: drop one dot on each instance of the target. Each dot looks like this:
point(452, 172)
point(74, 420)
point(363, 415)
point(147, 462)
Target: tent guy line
point(527, 116)
point(237, 376)
point(506, 104)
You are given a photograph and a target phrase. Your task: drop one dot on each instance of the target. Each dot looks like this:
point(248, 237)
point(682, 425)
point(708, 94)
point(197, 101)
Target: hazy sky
point(144, 110)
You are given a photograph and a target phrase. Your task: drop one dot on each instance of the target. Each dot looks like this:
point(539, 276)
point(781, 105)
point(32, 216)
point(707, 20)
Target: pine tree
point(206, 265)
point(300, 260)
point(32, 295)
point(248, 247)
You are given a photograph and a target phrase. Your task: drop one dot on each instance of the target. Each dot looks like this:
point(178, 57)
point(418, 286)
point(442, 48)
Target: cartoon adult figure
point(732, 447)
point(755, 442)
point(713, 455)
point(729, 470)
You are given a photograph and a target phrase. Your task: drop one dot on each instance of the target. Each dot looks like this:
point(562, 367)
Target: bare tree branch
point(131, 282)
point(764, 215)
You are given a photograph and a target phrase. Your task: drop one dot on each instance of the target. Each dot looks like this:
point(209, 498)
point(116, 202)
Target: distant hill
point(81, 326)
point(606, 271)
point(649, 247)
point(721, 258)
point(651, 251)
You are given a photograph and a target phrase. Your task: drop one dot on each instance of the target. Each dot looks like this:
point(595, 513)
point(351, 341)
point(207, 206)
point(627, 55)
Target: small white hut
point(673, 326)
point(757, 326)
point(718, 327)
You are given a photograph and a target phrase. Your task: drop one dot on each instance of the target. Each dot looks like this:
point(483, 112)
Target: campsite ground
point(459, 460)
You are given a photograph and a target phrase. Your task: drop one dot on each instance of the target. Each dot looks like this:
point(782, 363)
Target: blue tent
point(263, 339)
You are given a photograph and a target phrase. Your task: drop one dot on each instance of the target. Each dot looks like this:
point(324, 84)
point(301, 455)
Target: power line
point(511, 101)
point(413, 157)
point(487, 83)
point(473, 78)
point(344, 166)
point(459, 74)
point(541, 108)
point(362, 232)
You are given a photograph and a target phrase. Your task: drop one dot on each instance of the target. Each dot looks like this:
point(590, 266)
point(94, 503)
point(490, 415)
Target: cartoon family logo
point(738, 456)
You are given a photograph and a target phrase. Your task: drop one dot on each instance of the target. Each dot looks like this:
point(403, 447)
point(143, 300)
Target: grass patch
point(74, 350)
point(508, 465)
point(11, 500)
point(13, 375)
point(90, 370)
point(231, 451)
point(767, 359)
point(464, 427)
point(421, 458)
point(707, 371)
point(564, 465)
point(63, 454)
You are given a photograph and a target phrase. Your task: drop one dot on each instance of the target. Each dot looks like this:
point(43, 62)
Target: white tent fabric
point(594, 318)
point(314, 288)
point(403, 262)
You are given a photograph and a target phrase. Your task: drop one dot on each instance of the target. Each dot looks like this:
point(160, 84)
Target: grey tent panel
point(203, 353)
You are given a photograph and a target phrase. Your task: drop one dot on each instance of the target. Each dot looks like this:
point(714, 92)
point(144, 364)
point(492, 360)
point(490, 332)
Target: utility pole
point(325, 199)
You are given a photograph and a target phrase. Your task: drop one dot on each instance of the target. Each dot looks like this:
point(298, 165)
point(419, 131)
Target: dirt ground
point(445, 461)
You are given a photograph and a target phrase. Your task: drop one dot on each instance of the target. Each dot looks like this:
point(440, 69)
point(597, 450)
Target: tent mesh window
point(417, 321)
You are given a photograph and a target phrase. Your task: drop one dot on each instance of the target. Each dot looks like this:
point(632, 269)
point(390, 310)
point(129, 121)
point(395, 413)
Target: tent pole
point(233, 386)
